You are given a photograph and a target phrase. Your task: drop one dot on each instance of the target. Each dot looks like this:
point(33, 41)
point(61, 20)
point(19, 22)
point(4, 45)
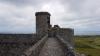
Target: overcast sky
point(18, 16)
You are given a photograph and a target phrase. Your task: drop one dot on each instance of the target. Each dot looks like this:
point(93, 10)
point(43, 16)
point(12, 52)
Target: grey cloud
point(18, 15)
point(16, 20)
point(83, 8)
point(25, 2)
point(18, 2)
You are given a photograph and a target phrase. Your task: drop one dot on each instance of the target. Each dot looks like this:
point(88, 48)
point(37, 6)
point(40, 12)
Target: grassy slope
point(89, 46)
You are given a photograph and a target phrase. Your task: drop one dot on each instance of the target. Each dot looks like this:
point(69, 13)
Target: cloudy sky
point(18, 16)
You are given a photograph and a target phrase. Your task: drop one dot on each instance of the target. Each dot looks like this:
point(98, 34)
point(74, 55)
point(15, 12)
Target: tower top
point(42, 13)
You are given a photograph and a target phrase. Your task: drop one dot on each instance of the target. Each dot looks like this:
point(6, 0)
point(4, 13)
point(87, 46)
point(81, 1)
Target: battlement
point(42, 13)
point(44, 27)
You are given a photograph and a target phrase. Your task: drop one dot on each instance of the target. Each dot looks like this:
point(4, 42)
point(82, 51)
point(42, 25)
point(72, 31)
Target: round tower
point(42, 23)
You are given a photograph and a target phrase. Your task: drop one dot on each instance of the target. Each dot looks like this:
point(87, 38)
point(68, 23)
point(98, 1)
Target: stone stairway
point(52, 47)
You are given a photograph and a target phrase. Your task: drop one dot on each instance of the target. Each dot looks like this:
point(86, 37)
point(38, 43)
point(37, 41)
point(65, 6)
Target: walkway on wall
point(52, 48)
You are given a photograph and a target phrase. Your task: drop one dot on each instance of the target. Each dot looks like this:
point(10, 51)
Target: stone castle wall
point(15, 44)
point(67, 34)
point(42, 23)
point(43, 27)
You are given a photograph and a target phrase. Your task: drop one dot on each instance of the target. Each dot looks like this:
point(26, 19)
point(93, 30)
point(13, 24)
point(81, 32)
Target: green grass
point(88, 45)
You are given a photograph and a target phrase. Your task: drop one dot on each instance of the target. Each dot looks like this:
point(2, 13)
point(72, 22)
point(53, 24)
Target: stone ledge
point(35, 49)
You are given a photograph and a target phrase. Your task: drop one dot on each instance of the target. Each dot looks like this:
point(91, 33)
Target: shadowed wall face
point(67, 34)
point(42, 23)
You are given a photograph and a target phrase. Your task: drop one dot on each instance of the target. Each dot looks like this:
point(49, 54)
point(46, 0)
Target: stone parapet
point(68, 48)
point(42, 13)
point(35, 49)
point(67, 34)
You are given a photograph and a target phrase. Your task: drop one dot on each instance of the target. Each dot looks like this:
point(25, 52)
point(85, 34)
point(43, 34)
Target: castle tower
point(42, 23)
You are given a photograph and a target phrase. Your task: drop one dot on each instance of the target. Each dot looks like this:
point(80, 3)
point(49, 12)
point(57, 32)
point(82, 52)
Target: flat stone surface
point(52, 48)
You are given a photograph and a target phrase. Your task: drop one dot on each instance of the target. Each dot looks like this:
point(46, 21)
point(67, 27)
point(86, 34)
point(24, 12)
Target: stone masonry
point(43, 27)
point(12, 45)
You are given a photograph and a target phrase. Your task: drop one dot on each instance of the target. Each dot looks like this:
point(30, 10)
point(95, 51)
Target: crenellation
point(42, 13)
point(43, 20)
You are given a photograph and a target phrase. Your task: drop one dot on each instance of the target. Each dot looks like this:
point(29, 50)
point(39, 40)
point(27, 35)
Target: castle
point(43, 27)
point(16, 44)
